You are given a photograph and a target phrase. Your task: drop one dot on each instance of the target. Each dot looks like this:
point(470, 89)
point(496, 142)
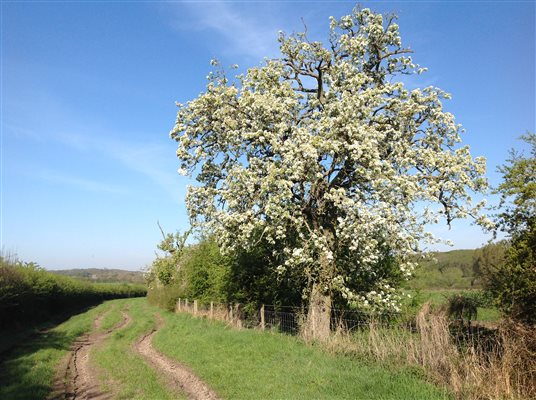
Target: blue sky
point(88, 93)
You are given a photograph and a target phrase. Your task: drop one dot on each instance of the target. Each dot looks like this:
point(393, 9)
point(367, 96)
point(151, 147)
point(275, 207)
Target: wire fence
point(291, 320)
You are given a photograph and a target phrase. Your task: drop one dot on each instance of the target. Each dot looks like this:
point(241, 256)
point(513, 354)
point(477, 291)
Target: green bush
point(463, 307)
point(200, 271)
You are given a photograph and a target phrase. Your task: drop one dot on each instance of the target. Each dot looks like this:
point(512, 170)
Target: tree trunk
point(317, 326)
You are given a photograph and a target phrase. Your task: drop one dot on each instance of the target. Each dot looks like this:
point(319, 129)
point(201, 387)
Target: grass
point(488, 315)
point(28, 371)
point(236, 364)
point(121, 370)
point(111, 317)
point(252, 364)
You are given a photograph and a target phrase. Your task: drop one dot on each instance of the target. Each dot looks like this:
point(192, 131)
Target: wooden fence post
point(195, 307)
point(231, 312)
point(212, 310)
point(186, 305)
point(178, 305)
point(263, 322)
point(238, 313)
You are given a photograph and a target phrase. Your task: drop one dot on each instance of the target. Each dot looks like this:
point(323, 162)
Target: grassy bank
point(252, 364)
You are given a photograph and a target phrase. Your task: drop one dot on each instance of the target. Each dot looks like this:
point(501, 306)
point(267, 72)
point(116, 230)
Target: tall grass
point(498, 365)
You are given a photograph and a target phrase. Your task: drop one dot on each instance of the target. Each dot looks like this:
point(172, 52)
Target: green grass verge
point(251, 364)
point(111, 317)
point(28, 371)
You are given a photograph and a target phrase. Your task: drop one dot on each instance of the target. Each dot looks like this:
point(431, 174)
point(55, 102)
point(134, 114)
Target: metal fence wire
point(289, 320)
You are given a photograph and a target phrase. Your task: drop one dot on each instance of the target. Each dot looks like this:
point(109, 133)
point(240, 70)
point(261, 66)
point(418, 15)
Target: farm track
point(178, 376)
point(76, 379)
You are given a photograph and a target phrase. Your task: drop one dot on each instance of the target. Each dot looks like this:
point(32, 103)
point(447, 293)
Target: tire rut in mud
point(76, 379)
point(178, 376)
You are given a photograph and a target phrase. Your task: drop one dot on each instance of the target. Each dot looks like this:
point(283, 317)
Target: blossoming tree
point(326, 155)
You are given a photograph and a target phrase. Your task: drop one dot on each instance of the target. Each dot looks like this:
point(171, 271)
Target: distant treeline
point(29, 294)
point(104, 275)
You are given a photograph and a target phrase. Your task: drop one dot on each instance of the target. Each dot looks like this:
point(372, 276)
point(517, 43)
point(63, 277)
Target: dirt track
point(179, 377)
point(76, 379)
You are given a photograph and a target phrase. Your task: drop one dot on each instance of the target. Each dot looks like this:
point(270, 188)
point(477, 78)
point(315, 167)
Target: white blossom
point(326, 154)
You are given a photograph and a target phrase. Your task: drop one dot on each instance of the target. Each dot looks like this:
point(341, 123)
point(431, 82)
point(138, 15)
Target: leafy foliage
point(29, 294)
point(488, 260)
point(463, 306)
point(444, 270)
point(513, 284)
point(202, 272)
point(164, 268)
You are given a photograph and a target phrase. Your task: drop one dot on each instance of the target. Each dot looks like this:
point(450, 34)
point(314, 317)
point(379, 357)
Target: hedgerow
point(29, 294)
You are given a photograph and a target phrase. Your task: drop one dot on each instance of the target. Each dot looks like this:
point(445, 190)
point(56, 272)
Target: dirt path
point(179, 377)
point(76, 379)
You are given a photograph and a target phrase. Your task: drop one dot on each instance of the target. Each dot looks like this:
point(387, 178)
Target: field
point(103, 275)
point(227, 363)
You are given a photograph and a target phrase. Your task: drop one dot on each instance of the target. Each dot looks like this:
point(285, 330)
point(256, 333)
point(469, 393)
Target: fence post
point(178, 305)
point(186, 305)
point(195, 307)
point(211, 310)
point(238, 312)
point(263, 322)
point(312, 322)
point(231, 312)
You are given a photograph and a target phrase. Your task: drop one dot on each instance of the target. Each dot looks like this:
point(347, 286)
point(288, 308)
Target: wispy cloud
point(247, 30)
point(56, 123)
point(147, 159)
point(79, 183)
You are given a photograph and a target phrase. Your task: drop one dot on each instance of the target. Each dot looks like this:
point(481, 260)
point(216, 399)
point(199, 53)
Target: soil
point(76, 378)
point(178, 376)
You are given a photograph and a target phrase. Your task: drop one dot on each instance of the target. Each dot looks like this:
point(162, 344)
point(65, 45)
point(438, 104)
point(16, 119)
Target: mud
point(76, 378)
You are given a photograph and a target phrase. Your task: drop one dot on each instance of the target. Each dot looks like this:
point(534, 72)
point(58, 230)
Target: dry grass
point(499, 365)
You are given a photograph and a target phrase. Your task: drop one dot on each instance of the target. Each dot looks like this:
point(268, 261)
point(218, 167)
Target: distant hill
point(450, 270)
point(103, 275)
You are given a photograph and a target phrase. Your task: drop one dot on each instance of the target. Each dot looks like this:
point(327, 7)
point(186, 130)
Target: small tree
point(328, 155)
point(513, 284)
point(164, 269)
